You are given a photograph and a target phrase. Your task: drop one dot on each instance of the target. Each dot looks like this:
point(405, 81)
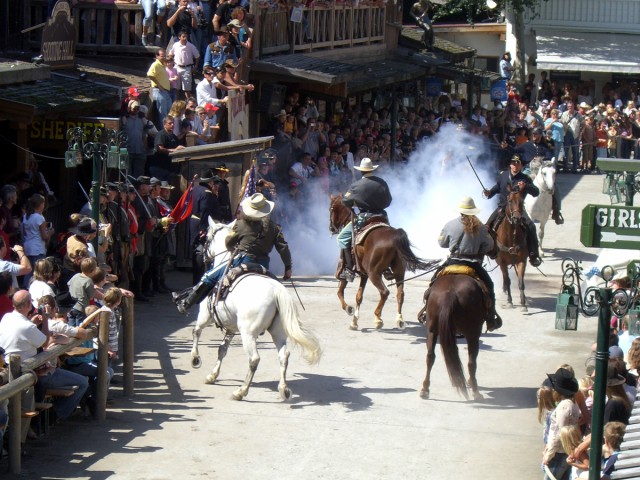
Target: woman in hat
point(566, 413)
point(253, 237)
point(468, 241)
point(618, 406)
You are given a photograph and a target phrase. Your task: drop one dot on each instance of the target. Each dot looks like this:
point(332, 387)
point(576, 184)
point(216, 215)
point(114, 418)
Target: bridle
point(206, 256)
point(335, 227)
point(513, 214)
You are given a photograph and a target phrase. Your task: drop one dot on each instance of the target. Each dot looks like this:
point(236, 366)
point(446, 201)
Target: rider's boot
point(196, 295)
point(555, 210)
point(493, 319)
point(347, 265)
point(532, 244)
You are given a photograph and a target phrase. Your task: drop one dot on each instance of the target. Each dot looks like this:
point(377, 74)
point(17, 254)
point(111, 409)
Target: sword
point(85, 192)
point(144, 204)
point(474, 171)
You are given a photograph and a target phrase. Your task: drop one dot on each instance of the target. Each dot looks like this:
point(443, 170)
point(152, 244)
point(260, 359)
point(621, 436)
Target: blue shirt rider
point(371, 195)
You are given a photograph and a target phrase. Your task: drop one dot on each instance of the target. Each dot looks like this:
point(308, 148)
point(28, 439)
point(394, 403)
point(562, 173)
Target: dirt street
point(355, 415)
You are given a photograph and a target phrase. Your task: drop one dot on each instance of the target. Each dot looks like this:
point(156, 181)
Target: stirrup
point(559, 219)
point(535, 260)
point(347, 275)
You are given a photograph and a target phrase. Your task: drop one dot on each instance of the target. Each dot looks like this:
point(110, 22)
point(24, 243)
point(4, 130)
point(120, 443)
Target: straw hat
point(366, 165)
point(468, 207)
point(256, 206)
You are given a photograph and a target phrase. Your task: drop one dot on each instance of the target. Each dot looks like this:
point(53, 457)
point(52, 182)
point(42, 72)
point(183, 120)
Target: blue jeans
point(89, 370)
point(147, 6)
point(559, 467)
point(345, 236)
point(214, 275)
point(163, 103)
point(63, 406)
point(571, 144)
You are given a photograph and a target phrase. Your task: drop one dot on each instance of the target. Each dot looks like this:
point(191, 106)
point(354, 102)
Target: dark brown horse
point(511, 239)
point(454, 305)
point(384, 247)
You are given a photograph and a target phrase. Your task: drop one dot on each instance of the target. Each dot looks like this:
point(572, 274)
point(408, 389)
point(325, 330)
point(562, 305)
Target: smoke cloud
point(426, 192)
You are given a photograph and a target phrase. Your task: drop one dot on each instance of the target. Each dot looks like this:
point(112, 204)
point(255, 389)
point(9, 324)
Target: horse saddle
point(376, 222)
point(235, 273)
point(462, 269)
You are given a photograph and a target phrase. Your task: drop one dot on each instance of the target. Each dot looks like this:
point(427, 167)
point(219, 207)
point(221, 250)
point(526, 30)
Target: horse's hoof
point(477, 396)
point(524, 309)
point(424, 394)
point(353, 326)
point(196, 362)
point(350, 310)
point(378, 324)
point(210, 379)
point(400, 323)
point(237, 395)
point(285, 393)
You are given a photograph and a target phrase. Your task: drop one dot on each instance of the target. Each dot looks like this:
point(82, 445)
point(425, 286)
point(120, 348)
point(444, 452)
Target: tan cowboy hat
point(468, 207)
point(256, 206)
point(366, 165)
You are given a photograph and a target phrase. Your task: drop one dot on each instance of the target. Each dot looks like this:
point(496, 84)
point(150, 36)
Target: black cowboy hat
point(85, 227)
point(563, 382)
point(209, 176)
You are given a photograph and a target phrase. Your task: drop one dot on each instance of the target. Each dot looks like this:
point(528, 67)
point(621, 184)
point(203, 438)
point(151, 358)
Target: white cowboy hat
point(468, 207)
point(256, 206)
point(366, 165)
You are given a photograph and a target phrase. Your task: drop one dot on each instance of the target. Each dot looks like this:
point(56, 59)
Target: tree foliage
point(477, 10)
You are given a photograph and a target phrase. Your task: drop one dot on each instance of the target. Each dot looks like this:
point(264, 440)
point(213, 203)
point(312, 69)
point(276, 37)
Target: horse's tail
point(447, 334)
point(411, 261)
point(294, 329)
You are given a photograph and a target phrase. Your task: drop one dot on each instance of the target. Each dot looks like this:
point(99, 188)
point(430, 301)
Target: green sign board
point(608, 226)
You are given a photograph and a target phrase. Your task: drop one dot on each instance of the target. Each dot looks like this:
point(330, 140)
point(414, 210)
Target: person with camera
point(136, 127)
point(312, 136)
point(18, 266)
point(182, 19)
point(22, 332)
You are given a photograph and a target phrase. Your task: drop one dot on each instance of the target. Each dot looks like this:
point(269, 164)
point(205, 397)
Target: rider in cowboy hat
point(253, 236)
point(510, 179)
point(468, 240)
point(371, 195)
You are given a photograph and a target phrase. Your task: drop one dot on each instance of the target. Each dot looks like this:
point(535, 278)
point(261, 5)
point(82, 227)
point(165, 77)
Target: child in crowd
point(571, 437)
point(170, 67)
point(82, 290)
point(613, 435)
point(586, 387)
point(112, 299)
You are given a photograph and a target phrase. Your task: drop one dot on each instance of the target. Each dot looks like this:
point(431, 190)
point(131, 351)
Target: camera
point(42, 311)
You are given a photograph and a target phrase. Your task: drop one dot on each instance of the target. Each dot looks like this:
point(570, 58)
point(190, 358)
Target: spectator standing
point(223, 14)
point(186, 55)
point(160, 85)
point(161, 10)
point(506, 69)
point(9, 195)
point(6, 290)
point(15, 269)
point(166, 142)
point(136, 128)
point(174, 79)
point(82, 290)
point(574, 123)
point(220, 51)
point(182, 19)
point(36, 231)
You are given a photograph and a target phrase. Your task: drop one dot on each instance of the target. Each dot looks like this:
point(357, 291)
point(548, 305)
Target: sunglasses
point(208, 73)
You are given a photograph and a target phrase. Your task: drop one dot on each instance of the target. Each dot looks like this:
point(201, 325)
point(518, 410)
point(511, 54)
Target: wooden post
point(15, 419)
point(127, 347)
point(103, 364)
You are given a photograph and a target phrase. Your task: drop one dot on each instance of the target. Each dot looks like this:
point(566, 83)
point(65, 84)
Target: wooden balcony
point(100, 28)
point(323, 27)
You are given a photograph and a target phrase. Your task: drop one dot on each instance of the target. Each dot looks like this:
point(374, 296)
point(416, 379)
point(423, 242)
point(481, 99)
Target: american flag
point(249, 187)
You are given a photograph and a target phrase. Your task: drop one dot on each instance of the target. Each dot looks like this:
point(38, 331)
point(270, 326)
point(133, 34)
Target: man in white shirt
point(206, 89)
point(22, 332)
point(23, 266)
point(185, 55)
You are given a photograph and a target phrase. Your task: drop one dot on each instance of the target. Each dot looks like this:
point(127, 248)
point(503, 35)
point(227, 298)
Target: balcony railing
point(117, 28)
point(322, 27)
point(101, 28)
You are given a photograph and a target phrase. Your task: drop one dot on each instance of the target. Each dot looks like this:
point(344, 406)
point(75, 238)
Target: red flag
point(184, 207)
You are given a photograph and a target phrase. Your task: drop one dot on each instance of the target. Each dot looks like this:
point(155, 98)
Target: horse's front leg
point(222, 352)
point(204, 319)
point(473, 346)
point(341, 287)
point(541, 236)
point(520, 269)
point(506, 283)
point(376, 279)
point(250, 346)
point(400, 323)
point(432, 337)
point(359, 296)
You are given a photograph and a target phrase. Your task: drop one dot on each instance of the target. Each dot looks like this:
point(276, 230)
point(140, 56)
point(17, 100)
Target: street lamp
point(100, 152)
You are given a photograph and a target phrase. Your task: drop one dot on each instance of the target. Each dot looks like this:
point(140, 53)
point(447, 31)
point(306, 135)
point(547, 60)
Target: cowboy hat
point(256, 206)
point(222, 168)
point(164, 184)
point(468, 207)
point(366, 165)
point(563, 382)
point(585, 105)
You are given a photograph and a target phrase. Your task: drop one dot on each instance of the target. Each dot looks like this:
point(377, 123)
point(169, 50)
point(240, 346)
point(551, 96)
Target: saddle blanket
point(362, 234)
point(465, 270)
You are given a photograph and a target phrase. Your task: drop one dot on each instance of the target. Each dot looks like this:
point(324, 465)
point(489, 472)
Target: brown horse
point(384, 247)
point(454, 304)
point(511, 240)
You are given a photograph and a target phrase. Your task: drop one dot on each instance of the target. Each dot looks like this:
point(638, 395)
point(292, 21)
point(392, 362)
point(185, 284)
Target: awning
point(587, 51)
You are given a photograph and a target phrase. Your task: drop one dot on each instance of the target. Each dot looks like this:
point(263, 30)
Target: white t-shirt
point(19, 336)
point(33, 242)
point(39, 289)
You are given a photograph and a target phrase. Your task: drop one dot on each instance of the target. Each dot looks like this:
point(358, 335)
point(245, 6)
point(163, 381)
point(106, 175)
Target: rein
point(514, 249)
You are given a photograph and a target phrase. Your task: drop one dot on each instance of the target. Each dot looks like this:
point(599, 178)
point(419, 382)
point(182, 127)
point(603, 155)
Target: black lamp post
point(99, 152)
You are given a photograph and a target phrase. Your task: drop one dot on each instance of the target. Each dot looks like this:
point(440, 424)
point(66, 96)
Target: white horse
point(539, 208)
point(255, 303)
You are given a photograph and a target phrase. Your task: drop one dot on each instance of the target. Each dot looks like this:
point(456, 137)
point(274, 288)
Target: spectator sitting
point(82, 290)
point(42, 275)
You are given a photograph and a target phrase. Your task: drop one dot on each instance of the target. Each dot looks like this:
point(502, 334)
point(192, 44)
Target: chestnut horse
point(511, 239)
point(454, 304)
point(384, 247)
